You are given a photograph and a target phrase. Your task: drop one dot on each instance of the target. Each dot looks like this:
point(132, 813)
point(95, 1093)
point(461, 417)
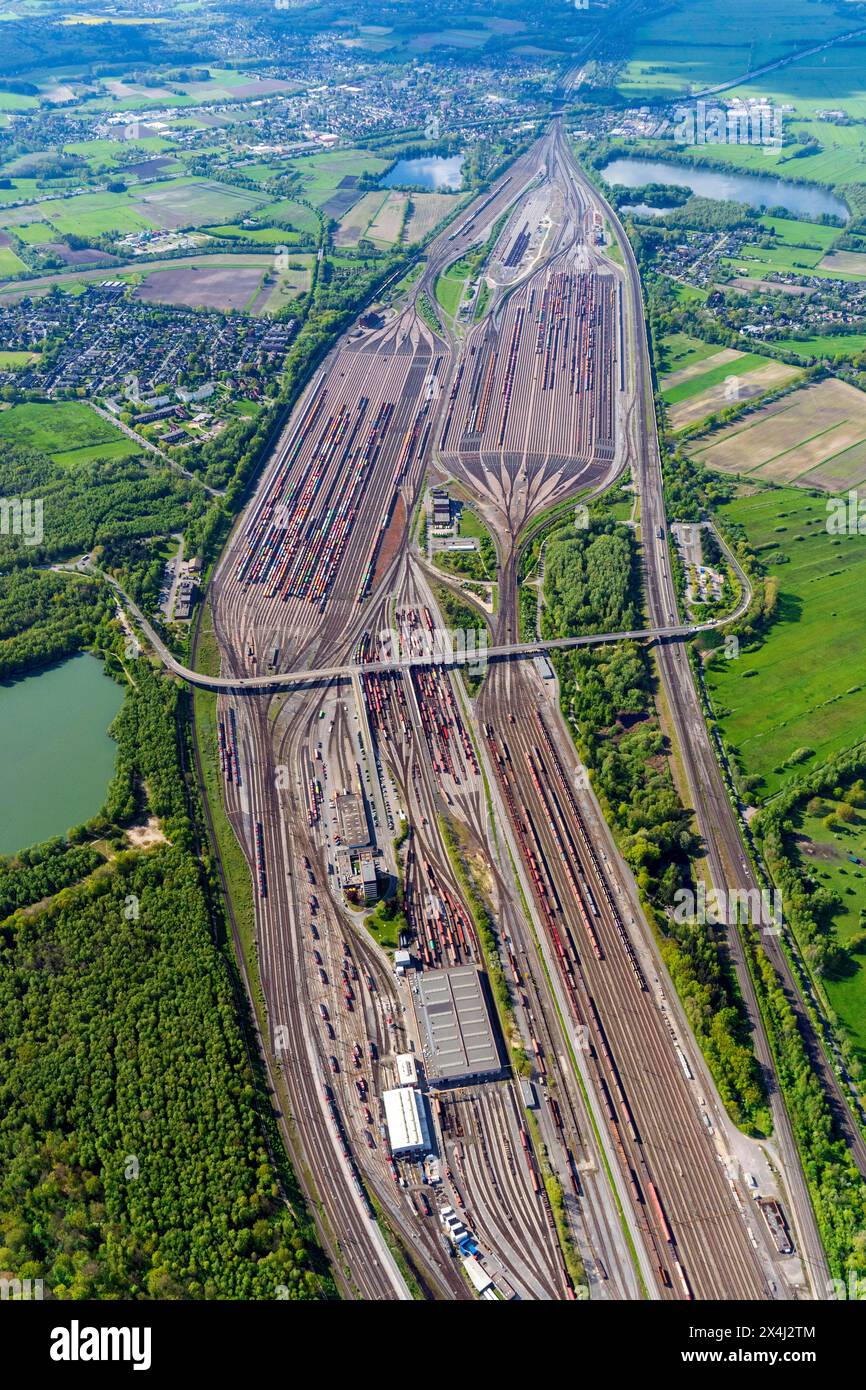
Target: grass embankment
point(450, 286)
point(460, 616)
point(428, 312)
point(556, 1198)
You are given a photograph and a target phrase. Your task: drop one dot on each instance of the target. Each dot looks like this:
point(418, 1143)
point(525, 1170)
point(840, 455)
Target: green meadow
point(804, 687)
point(68, 431)
point(741, 366)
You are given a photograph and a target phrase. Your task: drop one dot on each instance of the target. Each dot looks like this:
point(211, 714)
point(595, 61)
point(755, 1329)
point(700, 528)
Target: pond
point(433, 171)
point(758, 190)
point(57, 756)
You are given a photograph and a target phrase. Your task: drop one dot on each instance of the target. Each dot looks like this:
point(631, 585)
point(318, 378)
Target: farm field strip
point(750, 382)
point(849, 262)
point(806, 430)
point(427, 210)
point(705, 365)
point(68, 431)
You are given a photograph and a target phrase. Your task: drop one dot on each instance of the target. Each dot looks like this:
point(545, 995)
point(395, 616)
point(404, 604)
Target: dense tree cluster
point(131, 1164)
point(837, 1189)
point(133, 1161)
point(139, 566)
point(810, 907)
point(147, 773)
point(699, 973)
point(45, 616)
point(41, 871)
point(94, 502)
point(711, 214)
point(589, 580)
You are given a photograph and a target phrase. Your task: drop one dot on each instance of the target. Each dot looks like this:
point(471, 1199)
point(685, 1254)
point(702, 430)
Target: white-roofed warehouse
point(406, 1118)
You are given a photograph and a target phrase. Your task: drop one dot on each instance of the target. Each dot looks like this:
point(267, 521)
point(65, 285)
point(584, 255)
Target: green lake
point(57, 756)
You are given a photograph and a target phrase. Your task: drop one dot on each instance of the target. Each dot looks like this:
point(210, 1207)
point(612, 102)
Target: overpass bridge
point(439, 654)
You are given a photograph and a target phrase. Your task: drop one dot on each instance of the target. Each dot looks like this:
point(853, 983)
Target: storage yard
point(402, 977)
point(534, 392)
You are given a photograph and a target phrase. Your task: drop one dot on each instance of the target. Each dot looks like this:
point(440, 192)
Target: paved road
point(438, 656)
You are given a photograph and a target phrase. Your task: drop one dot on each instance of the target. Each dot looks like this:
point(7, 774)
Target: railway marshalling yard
point(398, 776)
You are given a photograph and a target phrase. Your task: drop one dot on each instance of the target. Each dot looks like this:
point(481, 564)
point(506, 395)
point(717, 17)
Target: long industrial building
point(457, 1038)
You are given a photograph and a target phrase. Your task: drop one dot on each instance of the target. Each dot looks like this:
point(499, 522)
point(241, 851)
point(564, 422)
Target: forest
point(133, 1158)
point(45, 617)
point(41, 871)
point(93, 502)
point(837, 1189)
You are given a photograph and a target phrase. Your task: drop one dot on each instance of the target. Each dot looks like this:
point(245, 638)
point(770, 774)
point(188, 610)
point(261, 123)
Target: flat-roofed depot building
point(457, 1037)
point(406, 1118)
point(352, 821)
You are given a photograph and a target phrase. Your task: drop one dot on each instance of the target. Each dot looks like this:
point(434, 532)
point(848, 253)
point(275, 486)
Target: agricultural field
point(709, 381)
point(107, 154)
point(263, 236)
point(354, 223)
point(21, 189)
point(9, 360)
point(685, 49)
point(36, 233)
point(758, 261)
point(224, 282)
point(68, 431)
point(328, 180)
point(190, 202)
point(181, 202)
point(10, 264)
point(426, 211)
point(300, 218)
point(680, 351)
point(16, 101)
point(788, 231)
point(202, 287)
point(281, 286)
point(844, 265)
point(210, 275)
point(815, 437)
point(88, 214)
point(798, 247)
point(803, 691)
point(386, 226)
point(687, 294)
point(223, 84)
point(696, 378)
point(832, 345)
